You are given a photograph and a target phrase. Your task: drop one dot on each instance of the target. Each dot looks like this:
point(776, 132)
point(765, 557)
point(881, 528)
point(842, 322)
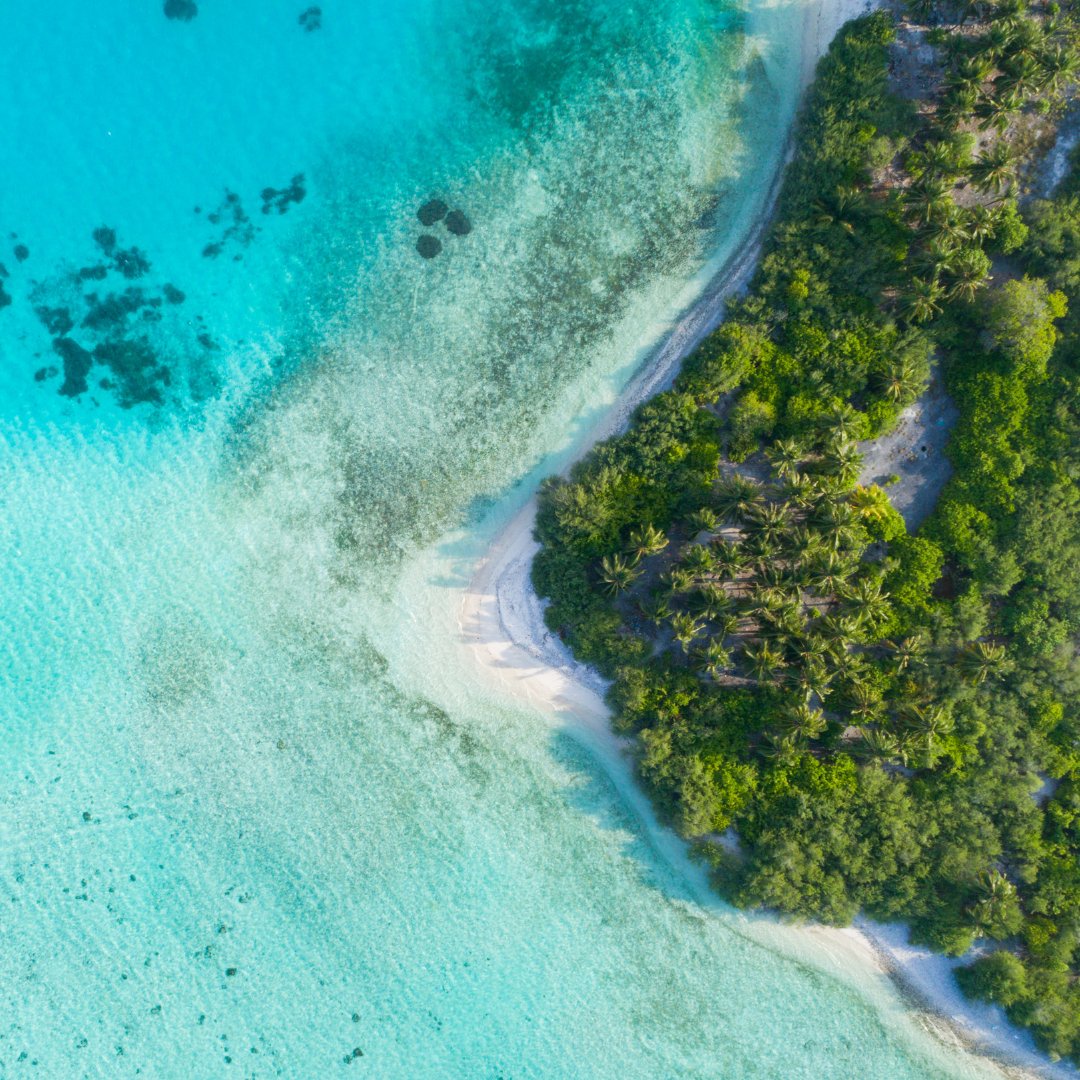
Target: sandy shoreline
point(503, 632)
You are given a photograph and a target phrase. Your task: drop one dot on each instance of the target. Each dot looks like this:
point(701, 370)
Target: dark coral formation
point(57, 320)
point(77, 364)
point(109, 326)
point(111, 312)
point(238, 231)
point(181, 10)
point(311, 19)
point(21, 252)
point(458, 224)
point(279, 198)
point(138, 372)
point(433, 210)
point(429, 246)
point(105, 238)
point(132, 263)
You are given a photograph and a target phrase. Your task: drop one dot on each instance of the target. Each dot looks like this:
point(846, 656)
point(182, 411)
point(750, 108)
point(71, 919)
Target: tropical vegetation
point(888, 722)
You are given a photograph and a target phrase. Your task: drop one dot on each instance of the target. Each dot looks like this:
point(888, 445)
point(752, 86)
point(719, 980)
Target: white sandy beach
point(502, 631)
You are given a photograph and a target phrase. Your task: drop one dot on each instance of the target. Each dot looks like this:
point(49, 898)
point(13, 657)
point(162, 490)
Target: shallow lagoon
point(236, 837)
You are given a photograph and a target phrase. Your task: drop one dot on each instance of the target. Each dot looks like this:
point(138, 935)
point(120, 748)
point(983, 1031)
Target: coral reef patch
point(279, 198)
point(181, 10)
point(429, 246)
point(433, 210)
point(458, 224)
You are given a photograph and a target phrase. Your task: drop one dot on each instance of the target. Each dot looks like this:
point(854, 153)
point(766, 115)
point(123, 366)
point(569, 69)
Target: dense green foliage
point(888, 722)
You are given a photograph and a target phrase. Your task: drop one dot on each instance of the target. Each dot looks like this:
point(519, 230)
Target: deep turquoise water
point(235, 839)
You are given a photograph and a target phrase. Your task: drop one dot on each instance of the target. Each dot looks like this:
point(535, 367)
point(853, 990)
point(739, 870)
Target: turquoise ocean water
point(236, 404)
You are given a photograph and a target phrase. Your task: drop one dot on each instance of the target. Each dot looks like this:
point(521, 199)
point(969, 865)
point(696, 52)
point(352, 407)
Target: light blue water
point(231, 843)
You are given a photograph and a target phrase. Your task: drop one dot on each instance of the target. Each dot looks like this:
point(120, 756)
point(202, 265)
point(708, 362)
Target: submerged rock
point(433, 210)
point(22, 253)
point(183, 10)
point(458, 223)
point(429, 246)
point(311, 19)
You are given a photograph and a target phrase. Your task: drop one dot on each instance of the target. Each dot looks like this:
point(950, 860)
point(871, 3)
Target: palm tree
point(617, 573)
point(648, 540)
point(837, 628)
point(909, 651)
point(784, 456)
point(802, 543)
point(996, 112)
point(710, 602)
point(678, 579)
point(763, 661)
point(928, 723)
point(867, 602)
point(729, 559)
point(831, 573)
point(1059, 66)
point(843, 460)
point(763, 551)
point(865, 701)
point(902, 381)
point(981, 659)
point(841, 208)
point(922, 301)
point(996, 901)
point(970, 74)
point(656, 609)
point(778, 748)
point(994, 169)
point(685, 629)
point(958, 106)
point(937, 161)
point(927, 198)
point(878, 745)
point(843, 424)
point(705, 520)
point(770, 520)
point(725, 625)
point(982, 223)
point(1000, 38)
point(812, 680)
point(1020, 75)
point(969, 274)
point(736, 495)
point(715, 659)
point(1029, 38)
point(697, 559)
point(948, 228)
point(805, 723)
